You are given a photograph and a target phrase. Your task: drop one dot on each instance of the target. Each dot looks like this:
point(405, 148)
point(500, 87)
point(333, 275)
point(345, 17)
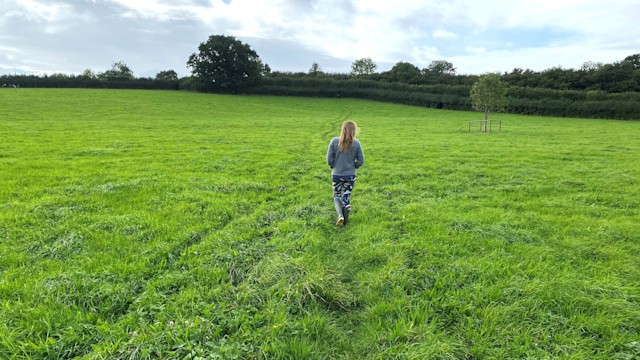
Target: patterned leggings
point(342, 187)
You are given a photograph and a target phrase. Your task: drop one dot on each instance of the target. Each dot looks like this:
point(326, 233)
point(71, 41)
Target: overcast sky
point(46, 36)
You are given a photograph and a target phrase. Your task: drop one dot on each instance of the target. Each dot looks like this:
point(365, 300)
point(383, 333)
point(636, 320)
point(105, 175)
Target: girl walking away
point(344, 156)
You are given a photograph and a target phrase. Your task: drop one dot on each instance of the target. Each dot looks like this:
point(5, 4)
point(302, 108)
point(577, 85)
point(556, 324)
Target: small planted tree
point(489, 93)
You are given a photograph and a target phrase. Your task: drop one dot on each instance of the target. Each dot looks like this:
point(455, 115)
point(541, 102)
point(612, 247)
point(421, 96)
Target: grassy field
point(151, 224)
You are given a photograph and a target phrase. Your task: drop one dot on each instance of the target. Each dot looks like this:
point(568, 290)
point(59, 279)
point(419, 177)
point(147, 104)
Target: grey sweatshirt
point(344, 163)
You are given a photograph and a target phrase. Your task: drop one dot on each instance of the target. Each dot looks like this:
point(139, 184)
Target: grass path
point(144, 224)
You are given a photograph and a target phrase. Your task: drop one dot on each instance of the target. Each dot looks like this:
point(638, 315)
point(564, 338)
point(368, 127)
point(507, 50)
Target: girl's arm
point(331, 155)
point(359, 157)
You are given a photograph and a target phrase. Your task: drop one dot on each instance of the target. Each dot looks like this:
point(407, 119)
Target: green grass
point(149, 224)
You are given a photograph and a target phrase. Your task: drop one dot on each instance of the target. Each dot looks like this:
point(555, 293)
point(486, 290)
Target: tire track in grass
point(247, 294)
point(233, 248)
point(185, 265)
point(109, 296)
point(336, 125)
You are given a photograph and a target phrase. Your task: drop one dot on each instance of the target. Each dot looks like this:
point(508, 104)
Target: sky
point(69, 36)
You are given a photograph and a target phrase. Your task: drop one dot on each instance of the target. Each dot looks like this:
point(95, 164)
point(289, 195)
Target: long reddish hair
point(347, 135)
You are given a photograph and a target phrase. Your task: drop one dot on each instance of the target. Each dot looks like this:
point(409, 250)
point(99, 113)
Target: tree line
point(226, 65)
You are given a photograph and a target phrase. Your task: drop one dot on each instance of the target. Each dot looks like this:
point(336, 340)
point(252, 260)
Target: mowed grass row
point(143, 224)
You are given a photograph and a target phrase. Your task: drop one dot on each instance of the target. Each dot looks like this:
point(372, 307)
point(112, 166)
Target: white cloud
point(443, 34)
point(39, 11)
point(423, 53)
point(475, 50)
point(54, 18)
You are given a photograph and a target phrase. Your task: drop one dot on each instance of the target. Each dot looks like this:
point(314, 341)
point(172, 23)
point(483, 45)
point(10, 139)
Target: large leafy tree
point(440, 67)
point(119, 71)
point(224, 63)
point(88, 74)
point(591, 66)
point(633, 60)
point(167, 75)
point(364, 66)
point(489, 93)
point(404, 72)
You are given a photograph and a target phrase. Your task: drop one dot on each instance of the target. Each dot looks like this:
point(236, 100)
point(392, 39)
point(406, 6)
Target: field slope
point(156, 224)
